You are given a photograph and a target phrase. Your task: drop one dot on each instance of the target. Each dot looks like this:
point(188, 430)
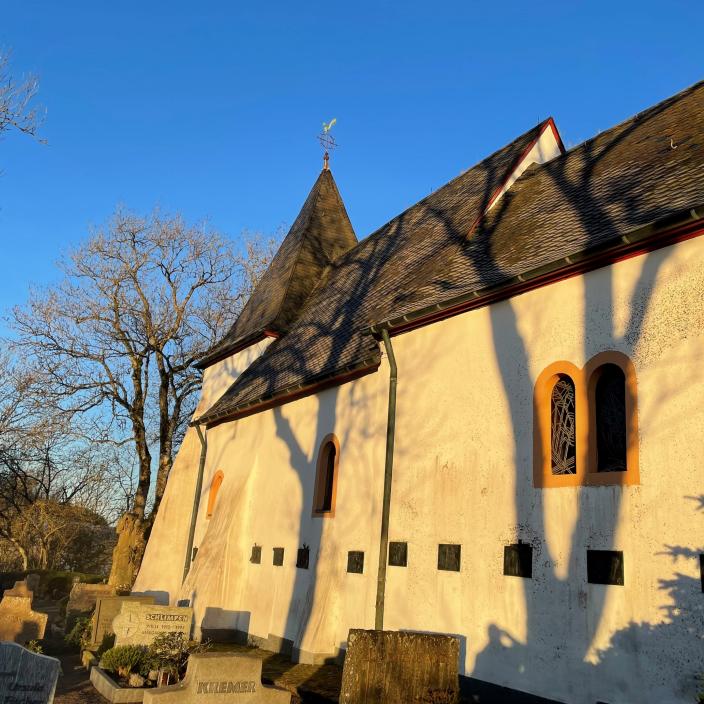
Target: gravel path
point(74, 685)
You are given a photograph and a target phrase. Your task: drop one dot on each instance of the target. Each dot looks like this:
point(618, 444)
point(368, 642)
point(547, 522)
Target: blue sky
point(212, 108)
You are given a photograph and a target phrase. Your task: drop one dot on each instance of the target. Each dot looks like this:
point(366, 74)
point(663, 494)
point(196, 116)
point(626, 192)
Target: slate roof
point(638, 172)
point(321, 233)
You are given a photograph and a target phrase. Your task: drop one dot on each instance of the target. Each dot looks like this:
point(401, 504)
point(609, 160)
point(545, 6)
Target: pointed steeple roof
point(321, 233)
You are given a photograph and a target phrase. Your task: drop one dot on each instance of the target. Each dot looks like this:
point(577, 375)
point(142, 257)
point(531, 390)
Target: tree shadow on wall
point(673, 645)
point(600, 198)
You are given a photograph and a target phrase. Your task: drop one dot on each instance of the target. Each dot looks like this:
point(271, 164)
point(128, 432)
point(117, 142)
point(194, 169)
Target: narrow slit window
point(563, 429)
point(326, 477)
point(329, 476)
point(610, 399)
point(213, 495)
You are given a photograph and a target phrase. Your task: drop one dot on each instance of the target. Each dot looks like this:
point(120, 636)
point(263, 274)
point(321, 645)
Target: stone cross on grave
point(220, 677)
point(18, 622)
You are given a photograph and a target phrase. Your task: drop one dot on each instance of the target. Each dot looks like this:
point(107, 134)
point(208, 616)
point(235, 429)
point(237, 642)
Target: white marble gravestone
point(26, 677)
point(220, 677)
point(139, 624)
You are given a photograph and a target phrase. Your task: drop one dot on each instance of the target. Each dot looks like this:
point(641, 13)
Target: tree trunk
point(132, 534)
point(22, 553)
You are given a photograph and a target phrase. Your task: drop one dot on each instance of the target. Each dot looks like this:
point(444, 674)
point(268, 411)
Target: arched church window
point(213, 494)
point(610, 415)
point(563, 434)
point(326, 477)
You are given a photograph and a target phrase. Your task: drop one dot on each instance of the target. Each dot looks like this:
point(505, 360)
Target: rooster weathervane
point(327, 141)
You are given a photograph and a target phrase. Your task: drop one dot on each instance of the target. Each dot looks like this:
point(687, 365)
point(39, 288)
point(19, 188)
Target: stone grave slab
point(26, 677)
point(397, 667)
point(220, 677)
point(106, 608)
point(83, 596)
point(18, 622)
point(138, 624)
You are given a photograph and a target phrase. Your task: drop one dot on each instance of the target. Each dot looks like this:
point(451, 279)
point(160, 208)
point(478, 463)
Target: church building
point(485, 419)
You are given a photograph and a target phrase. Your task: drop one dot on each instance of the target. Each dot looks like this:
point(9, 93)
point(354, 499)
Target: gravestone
point(138, 624)
point(33, 581)
point(20, 589)
point(18, 622)
point(26, 677)
point(106, 608)
point(397, 667)
point(83, 596)
point(220, 677)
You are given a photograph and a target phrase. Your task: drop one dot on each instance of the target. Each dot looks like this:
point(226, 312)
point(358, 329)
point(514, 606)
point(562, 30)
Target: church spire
point(321, 233)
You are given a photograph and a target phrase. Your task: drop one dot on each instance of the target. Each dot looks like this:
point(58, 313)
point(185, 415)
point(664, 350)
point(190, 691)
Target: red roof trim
point(612, 256)
point(336, 380)
point(548, 123)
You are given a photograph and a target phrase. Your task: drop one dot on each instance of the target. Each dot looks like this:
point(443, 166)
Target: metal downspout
point(196, 500)
point(388, 470)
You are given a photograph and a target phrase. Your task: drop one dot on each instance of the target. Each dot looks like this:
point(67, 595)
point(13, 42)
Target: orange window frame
point(321, 476)
point(585, 424)
point(213, 493)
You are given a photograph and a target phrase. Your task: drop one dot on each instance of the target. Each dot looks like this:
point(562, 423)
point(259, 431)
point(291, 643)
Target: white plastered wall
point(161, 573)
point(463, 474)
point(266, 498)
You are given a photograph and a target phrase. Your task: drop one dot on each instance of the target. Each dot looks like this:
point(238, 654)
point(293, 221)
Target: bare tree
point(51, 479)
point(16, 101)
point(142, 299)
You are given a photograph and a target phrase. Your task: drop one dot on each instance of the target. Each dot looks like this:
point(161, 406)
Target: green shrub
point(34, 646)
point(168, 652)
point(107, 643)
point(124, 659)
point(80, 634)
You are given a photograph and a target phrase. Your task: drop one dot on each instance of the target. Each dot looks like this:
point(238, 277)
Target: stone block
point(82, 600)
point(397, 667)
point(220, 677)
point(33, 581)
point(106, 608)
point(139, 624)
point(26, 677)
point(105, 686)
point(20, 589)
point(18, 622)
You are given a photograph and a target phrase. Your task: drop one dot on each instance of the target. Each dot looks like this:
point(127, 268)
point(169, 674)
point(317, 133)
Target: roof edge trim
point(506, 183)
point(292, 393)
point(683, 225)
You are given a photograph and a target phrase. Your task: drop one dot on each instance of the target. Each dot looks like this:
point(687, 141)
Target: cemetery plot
point(138, 624)
point(220, 677)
